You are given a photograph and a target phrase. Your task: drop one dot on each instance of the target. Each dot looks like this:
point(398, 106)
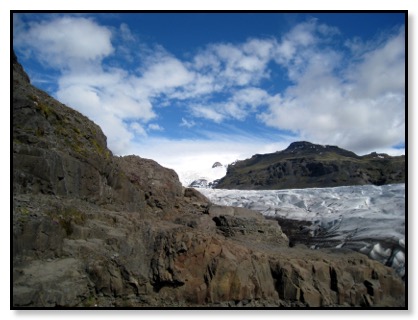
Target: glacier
point(369, 219)
point(209, 175)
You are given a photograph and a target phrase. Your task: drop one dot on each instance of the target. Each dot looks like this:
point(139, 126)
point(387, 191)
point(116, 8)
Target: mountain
point(207, 178)
point(307, 165)
point(90, 229)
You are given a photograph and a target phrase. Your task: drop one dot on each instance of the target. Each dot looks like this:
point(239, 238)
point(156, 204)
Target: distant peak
point(217, 164)
point(301, 145)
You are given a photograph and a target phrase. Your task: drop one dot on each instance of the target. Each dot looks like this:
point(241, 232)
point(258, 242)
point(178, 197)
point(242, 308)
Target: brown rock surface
point(91, 229)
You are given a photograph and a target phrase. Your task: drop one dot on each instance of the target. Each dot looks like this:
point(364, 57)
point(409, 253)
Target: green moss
point(23, 215)
point(45, 109)
point(101, 150)
point(33, 97)
point(90, 302)
point(77, 130)
point(66, 217)
point(78, 147)
point(25, 211)
point(97, 147)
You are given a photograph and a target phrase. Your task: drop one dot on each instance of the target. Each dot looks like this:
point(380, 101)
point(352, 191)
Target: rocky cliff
point(94, 230)
point(307, 165)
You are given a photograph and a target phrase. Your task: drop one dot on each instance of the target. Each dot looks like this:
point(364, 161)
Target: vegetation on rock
point(94, 230)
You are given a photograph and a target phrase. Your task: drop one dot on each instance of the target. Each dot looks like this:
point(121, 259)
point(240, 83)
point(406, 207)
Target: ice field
point(369, 219)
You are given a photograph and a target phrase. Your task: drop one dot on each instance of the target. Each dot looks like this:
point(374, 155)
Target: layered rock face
point(94, 230)
point(307, 165)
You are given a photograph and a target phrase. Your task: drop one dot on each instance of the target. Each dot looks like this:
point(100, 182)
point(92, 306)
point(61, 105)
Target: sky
point(351, 30)
point(191, 89)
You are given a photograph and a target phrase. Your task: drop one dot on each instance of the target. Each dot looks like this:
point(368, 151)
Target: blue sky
point(191, 89)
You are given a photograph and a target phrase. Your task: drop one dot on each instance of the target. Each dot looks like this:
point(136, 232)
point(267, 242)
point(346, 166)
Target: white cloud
point(187, 123)
point(189, 155)
point(233, 111)
point(202, 85)
point(359, 109)
point(164, 75)
point(218, 112)
point(63, 42)
point(138, 129)
point(126, 33)
point(109, 99)
point(114, 88)
point(300, 48)
point(120, 136)
point(207, 112)
point(356, 106)
point(303, 34)
point(261, 48)
point(285, 51)
point(155, 127)
point(85, 98)
point(251, 97)
point(241, 104)
point(235, 65)
point(381, 70)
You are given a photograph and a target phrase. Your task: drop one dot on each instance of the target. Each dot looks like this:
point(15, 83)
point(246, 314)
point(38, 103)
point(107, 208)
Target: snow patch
point(210, 175)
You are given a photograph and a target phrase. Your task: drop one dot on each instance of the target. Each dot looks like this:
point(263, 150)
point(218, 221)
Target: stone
point(91, 229)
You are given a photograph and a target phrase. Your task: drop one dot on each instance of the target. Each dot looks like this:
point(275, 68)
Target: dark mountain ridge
point(307, 165)
point(90, 229)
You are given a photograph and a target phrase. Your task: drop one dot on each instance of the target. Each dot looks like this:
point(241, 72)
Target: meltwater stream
point(369, 219)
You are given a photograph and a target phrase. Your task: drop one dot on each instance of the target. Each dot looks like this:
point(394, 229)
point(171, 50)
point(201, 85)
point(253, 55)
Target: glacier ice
point(369, 219)
point(209, 175)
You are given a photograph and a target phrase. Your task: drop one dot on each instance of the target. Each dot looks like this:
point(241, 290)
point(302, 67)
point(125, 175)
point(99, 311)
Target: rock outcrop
point(307, 165)
point(94, 230)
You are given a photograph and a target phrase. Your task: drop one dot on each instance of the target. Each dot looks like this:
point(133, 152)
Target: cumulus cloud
point(240, 105)
point(359, 107)
point(303, 47)
point(198, 155)
point(138, 129)
point(164, 75)
point(110, 96)
point(63, 43)
point(382, 70)
point(231, 65)
point(155, 127)
point(207, 112)
point(251, 97)
point(106, 96)
point(352, 98)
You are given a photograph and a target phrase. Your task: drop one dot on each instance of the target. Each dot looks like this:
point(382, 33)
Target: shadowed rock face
point(307, 165)
point(91, 229)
